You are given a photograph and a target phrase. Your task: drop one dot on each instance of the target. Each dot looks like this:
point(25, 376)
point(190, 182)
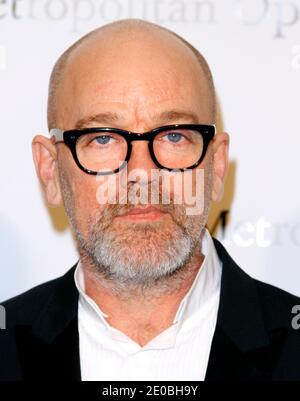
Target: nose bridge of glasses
point(143, 136)
point(138, 137)
point(140, 157)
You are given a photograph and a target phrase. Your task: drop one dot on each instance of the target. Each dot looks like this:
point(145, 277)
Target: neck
point(141, 312)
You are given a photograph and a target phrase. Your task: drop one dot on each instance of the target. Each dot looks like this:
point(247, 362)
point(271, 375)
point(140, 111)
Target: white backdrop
point(253, 48)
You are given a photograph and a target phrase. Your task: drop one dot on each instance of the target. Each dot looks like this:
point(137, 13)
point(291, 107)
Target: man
point(132, 109)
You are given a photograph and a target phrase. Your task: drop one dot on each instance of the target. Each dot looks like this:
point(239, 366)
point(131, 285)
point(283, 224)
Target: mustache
point(115, 210)
point(106, 216)
point(140, 195)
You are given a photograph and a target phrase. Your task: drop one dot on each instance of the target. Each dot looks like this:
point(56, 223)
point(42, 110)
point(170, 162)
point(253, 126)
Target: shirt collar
point(205, 285)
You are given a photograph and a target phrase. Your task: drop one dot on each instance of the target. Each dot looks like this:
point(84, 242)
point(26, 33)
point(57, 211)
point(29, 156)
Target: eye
point(173, 137)
point(103, 139)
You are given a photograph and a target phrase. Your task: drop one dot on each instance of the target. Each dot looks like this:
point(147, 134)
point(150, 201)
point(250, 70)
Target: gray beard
point(140, 260)
point(130, 258)
point(142, 256)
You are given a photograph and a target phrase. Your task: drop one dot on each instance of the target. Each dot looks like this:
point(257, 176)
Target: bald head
point(124, 34)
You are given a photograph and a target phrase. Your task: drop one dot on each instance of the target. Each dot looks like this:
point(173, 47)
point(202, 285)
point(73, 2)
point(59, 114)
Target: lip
point(146, 213)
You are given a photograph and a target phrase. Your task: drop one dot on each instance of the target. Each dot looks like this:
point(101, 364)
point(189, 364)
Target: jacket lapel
point(49, 349)
point(242, 348)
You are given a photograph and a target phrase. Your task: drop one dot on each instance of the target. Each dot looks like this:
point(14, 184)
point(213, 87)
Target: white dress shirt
point(180, 352)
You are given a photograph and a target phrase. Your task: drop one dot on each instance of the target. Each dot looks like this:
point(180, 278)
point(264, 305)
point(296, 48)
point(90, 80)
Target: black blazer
point(253, 339)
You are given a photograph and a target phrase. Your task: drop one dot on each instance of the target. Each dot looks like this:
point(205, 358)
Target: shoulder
point(24, 308)
point(277, 305)
point(38, 313)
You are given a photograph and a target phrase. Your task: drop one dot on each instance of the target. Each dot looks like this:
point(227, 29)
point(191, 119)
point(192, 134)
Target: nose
point(140, 161)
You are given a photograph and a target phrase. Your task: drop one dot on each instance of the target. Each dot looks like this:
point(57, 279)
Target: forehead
point(141, 74)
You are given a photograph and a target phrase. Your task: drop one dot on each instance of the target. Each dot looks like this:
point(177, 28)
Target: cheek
point(208, 176)
point(108, 189)
point(192, 189)
point(84, 189)
point(183, 187)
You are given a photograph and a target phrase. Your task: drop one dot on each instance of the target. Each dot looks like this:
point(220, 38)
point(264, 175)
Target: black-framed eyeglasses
point(102, 151)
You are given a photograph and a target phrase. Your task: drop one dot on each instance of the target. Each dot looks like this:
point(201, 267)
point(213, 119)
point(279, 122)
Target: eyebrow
point(173, 115)
point(169, 116)
point(103, 118)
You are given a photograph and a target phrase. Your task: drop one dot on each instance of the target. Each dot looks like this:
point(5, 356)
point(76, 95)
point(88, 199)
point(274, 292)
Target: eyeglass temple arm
point(58, 134)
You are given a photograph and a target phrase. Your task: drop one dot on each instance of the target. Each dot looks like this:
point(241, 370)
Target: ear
point(45, 160)
point(220, 165)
